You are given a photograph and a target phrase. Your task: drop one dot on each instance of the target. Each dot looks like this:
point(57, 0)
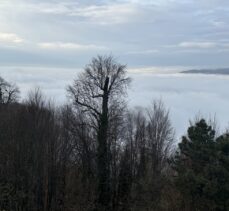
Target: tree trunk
point(104, 191)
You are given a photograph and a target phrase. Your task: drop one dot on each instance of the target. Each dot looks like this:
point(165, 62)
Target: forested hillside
point(98, 154)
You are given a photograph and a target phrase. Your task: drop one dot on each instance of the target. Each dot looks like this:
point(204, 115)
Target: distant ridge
point(220, 71)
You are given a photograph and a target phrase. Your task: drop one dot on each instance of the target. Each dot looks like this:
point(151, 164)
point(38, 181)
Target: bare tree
point(102, 83)
point(9, 93)
point(150, 137)
point(160, 135)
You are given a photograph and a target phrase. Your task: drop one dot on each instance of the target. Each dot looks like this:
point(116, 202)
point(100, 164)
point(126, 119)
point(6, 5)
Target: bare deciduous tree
point(160, 135)
point(150, 138)
point(102, 83)
point(9, 93)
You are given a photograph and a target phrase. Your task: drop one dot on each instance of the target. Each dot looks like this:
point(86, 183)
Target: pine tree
point(194, 163)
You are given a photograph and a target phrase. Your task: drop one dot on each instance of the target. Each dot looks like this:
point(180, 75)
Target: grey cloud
point(133, 30)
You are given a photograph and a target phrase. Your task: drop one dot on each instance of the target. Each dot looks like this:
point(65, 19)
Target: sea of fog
point(185, 95)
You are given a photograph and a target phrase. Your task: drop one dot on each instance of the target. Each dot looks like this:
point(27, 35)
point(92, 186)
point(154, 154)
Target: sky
point(46, 43)
point(140, 33)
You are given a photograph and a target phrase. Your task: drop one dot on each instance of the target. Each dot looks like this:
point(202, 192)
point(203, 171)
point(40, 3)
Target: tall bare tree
point(95, 91)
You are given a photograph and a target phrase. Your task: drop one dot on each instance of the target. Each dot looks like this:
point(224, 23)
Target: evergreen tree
point(202, 166)
point(221, 173)
point(193, 162)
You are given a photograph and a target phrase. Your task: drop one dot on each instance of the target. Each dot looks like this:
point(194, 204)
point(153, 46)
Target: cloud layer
point(10, 38)
point(184, 94)
point(158, 32)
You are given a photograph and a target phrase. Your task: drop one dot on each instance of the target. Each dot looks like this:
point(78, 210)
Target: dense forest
point(98, 154)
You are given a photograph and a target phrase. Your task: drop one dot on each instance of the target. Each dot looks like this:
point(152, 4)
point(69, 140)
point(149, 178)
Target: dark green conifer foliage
point(202, 169)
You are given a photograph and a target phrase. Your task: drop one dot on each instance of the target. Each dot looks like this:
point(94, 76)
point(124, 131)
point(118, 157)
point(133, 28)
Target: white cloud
point(110, 13)
point(184, 94)
point(100, 14)
point(216, 46)
point(151, 2)
point(143, 52)
point(10, 38)
point(157, 70)
point(117, 13)
point(69, 46)
point(218, 24)
point(197, 44)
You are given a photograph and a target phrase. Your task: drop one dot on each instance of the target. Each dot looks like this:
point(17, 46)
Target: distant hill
point(220, 71)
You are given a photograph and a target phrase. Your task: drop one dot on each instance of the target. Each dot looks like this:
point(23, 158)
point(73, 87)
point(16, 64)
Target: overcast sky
point(138, 32)
point(47, 42)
